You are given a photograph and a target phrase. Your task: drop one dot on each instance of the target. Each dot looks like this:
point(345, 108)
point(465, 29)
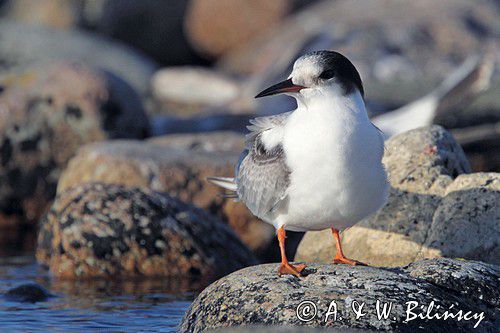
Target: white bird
point(318, 166)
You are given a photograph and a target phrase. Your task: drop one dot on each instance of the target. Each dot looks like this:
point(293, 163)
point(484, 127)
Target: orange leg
point(339, 257)
point(286, 267)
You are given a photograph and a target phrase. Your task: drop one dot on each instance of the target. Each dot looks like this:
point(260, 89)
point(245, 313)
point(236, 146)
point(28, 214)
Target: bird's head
point(316, 73)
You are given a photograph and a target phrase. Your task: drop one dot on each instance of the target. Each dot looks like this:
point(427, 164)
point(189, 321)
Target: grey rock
point(99, 230)
point(27, 293)
point(424, 160)
point(376, 35)
point(466, 223)
point(47, 113)
point(154, 27)
point(196, 90)
point(26, 45)
point(469, 278)
point(284, 329)
point(256, 295)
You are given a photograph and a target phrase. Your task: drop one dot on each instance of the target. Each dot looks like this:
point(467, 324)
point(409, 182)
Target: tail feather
point(224, 182)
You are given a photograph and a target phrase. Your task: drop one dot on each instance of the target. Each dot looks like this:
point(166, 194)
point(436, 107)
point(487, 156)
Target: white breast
point(334, 154)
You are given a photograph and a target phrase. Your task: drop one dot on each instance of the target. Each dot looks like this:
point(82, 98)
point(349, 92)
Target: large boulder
point(152, 26)
point(98, 230)
point(47, 112)
point(434, 209)
point(216, 27)
point(466, 223)
point(178, 165)
point(258, 296)
point(25, 45)
point(283, 329)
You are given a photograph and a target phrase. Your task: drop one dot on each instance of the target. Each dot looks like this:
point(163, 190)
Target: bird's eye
point(328, 74)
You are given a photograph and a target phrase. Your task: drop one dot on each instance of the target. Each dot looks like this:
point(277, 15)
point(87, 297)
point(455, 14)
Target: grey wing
point(262, 176)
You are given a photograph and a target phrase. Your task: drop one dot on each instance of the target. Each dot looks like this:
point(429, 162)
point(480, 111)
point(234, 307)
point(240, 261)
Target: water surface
point(153, 305)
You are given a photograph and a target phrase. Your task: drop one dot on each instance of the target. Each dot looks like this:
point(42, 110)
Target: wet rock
point(421, 165)
point(99, 230)
point(28, 45)
point(27, 293)
point(47, 113)
point(177, 165)
point(217, 27)
point(257, 295)
point(195, 89)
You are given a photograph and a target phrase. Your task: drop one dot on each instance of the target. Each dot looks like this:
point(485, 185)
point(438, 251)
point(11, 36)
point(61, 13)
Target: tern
point(318, 166)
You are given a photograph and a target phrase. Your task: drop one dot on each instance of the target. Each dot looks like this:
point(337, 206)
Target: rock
point(98, 230)
point(28, 45)
point(216, 27)
point(27, 293)
point(179, 166)
point(257, 295)
point(422, 164)
point(195, 89)
point(203, 142)
point(59, 14)
point(466, 223)
point(424, 160)
point(154, 27)
point(481, 144)
point(46, 114)
point(283, 329)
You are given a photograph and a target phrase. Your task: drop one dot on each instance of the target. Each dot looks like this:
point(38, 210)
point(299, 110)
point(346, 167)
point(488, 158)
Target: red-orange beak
point(279, 88)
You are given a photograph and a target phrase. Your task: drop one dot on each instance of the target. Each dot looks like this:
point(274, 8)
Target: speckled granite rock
point(256, 295)
point(284, 329)
point(421, 164)
point(98, 230)
point(179, 166)
point(46, 114)
point(466, 223)
point(424, 160)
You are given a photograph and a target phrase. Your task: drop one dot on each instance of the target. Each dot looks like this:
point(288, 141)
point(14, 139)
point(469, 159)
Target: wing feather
point(262, 175)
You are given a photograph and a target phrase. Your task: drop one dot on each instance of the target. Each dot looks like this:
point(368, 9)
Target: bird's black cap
point(336, 65)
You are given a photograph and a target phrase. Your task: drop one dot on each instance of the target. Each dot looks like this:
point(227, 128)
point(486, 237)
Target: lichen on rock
point(99, 230)
point(258, 296)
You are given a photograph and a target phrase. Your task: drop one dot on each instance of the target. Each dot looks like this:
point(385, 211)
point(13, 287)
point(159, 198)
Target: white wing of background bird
point(472, 78)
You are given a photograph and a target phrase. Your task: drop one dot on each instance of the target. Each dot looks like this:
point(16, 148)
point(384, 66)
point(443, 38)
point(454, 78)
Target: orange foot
point(347, 261)
point(288, 269)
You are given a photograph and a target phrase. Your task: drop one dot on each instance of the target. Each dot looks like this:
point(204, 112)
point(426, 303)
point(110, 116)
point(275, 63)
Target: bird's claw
point(347, 261)
point(288, 269)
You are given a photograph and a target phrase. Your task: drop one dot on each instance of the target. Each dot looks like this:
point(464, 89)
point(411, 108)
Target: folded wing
point(262, 175)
